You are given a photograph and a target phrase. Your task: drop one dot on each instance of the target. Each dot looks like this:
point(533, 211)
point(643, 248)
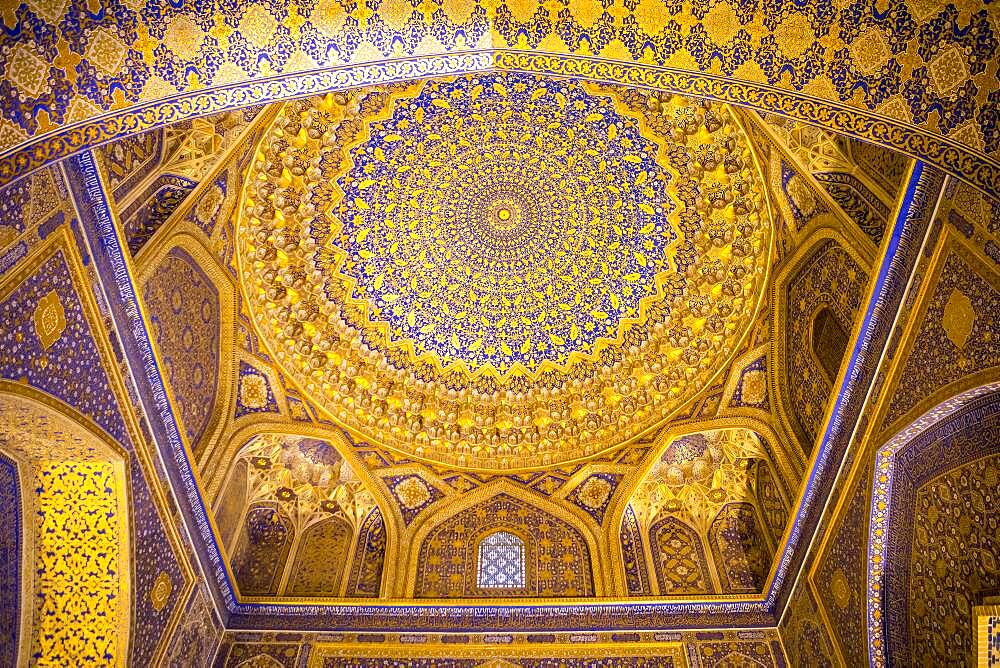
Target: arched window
point(501, 562)
point(829, 341)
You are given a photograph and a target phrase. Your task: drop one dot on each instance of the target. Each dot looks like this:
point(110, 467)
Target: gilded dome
point(501, 270)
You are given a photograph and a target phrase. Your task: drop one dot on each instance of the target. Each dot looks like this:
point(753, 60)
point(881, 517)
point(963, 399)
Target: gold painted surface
point(76, 511)
point(755, 387)
point(61, 429)
point(596, 322)
point(253, 390)
point(696, 475)
point(958, 318)
point(50, 319)
point(306, 478)
point(80, 596)
point(160, 592)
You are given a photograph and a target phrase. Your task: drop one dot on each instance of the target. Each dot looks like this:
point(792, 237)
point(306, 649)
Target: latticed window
point(501, 561)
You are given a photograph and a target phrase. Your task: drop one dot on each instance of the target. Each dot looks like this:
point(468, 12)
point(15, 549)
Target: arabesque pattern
point(476, 153)
point(926, 64)
point(556, 555)
point(628, 255)
point(81, 604)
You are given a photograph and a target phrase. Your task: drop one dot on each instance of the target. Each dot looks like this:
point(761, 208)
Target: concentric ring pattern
point(495, 212)
point(500, 270)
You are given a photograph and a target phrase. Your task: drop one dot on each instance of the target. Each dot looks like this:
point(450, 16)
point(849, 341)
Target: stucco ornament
point(503, 271)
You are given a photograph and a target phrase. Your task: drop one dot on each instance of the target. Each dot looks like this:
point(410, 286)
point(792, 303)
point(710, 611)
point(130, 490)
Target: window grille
point(501, 562)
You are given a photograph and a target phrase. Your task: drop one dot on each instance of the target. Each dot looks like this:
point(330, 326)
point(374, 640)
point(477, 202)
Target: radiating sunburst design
point(498, 221)
point(503, 271)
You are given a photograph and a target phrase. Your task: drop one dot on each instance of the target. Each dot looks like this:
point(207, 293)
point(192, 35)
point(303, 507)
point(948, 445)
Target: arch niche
point(558, 548)
point(73, 549)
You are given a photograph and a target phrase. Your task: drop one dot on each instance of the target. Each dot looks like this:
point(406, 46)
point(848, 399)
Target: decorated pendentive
point(413, 494)
point(698, 474)
point(503, 271)
point(254, 393)
point(307, 478)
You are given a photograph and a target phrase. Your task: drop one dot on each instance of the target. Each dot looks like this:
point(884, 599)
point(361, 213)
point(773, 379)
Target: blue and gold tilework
point(925, 64)
point(594, 494)
point(144, 216)
point(81, 598)
point(958, 336)
point(637, 581)
point(502, 235)
point(751, 389)
point(831, 280)
point(130, 160)
point(413, 494)
point(184, 313)
point(198, 634)
point(860, 204)
point(30, 209)
point(57, 371)
point(557, 555)
point(802, 201)
point(531, 228)
point(806, 638)
point(842, 574)
point(992, 625)
point(927, 519)
point(365, 579)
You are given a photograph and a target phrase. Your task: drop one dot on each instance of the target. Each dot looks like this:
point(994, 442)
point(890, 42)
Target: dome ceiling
point(503, 271)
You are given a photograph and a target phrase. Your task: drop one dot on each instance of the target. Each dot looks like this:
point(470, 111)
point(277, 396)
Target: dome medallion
point(486, 249)
point(502, 271)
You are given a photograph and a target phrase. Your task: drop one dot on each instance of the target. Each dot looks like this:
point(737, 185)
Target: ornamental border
point(977, 168)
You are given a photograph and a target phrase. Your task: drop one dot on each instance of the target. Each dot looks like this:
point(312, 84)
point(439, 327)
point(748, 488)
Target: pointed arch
point(679, 558)
point(739, 549)
point(320, 558)
point(783, 474)
point(367, 569)
point(373, 537)
point(925, 478)
point(501, 561)
point(792, 344)
point(262, 550)
point(634, 561)
point(74, 541)
point(503, 505)
point(15, 552)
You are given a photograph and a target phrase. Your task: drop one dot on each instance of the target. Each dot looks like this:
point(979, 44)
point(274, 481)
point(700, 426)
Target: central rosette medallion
point(504, 222)
point(498, 270)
